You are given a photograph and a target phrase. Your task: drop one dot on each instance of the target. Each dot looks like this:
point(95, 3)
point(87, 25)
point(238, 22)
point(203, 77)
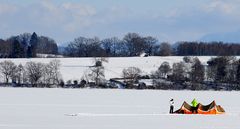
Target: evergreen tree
point(238, 72)
point(33, 45)
point(17, 50)
point(29, 52)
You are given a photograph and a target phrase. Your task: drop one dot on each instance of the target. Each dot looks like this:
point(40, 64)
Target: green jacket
point(194, 103)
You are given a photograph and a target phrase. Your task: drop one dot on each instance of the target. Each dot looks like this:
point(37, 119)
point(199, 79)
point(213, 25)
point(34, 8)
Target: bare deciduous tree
point(52, 73)
point(165, 49)
point(34, 72)
point(178, 72)
point(97, 71)
point(46, 45)
point(98, 75)
point(197, 71)
point(150, 44)
point(220, 64)
point(131, 74)
point(7, 69)
point(84, 47)
point(135, 43)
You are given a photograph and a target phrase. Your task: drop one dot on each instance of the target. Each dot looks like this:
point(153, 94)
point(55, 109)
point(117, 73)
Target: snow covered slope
point(35, 108)
point(74, 68)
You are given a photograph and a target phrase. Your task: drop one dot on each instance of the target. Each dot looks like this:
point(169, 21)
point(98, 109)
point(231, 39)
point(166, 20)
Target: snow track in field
point(116, 114)
point(141, 114)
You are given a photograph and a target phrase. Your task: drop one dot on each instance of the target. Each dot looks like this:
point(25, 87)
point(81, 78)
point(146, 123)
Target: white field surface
point(74, 68)
point(29, 108)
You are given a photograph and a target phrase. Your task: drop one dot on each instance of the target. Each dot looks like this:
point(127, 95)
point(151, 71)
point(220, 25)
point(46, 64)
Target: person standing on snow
point(171, 106)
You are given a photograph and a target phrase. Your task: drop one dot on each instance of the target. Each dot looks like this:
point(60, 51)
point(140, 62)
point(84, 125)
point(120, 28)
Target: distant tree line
point(132, 44)
point(207, 49)
point(27, 46)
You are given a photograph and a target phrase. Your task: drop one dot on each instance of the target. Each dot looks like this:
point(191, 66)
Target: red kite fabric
point(212, 108)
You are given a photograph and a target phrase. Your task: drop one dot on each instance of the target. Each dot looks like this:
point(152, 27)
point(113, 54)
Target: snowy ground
point(28, 108)
point(74, 68)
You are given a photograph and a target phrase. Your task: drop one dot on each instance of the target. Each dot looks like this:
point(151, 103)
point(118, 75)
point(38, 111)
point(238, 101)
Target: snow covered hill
point(74, 68)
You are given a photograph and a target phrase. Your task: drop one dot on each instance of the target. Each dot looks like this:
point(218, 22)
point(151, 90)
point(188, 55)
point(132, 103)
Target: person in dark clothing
point(171, 102)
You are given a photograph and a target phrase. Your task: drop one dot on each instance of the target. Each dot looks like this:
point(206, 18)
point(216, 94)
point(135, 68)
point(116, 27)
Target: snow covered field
point(74, 68)
point(29, 108)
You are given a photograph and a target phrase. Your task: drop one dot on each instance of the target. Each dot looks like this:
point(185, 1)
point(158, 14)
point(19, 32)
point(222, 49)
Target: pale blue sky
point(167, 20)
